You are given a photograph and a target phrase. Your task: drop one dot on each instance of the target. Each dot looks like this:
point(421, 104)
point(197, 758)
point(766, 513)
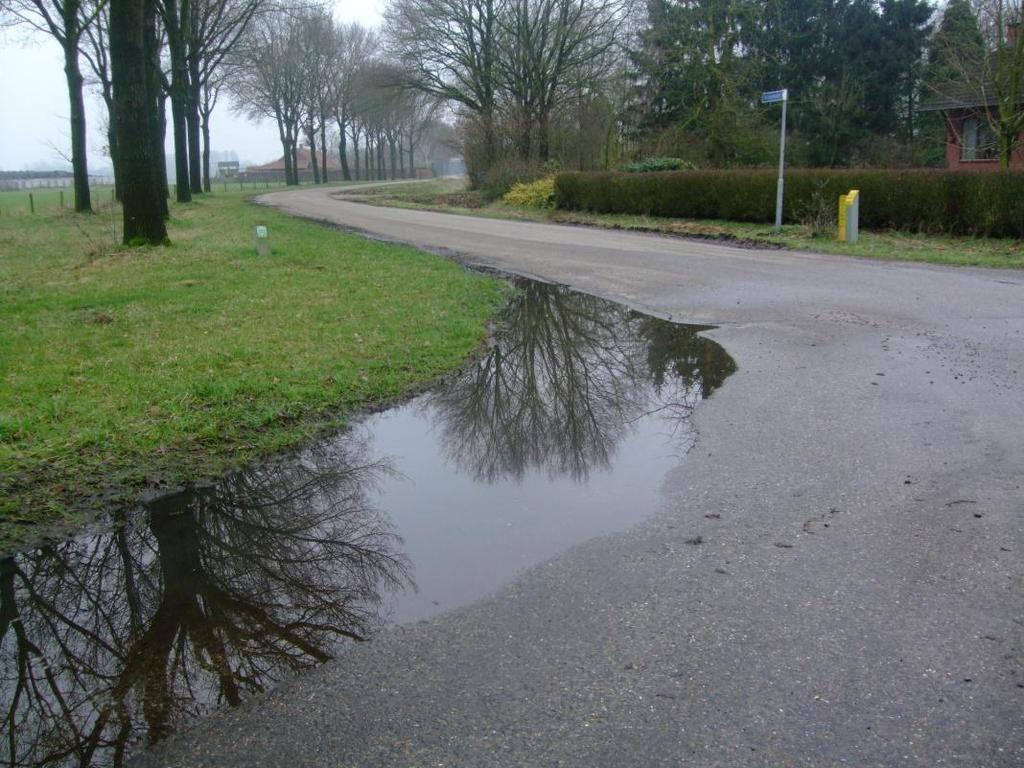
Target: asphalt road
point(857, 599)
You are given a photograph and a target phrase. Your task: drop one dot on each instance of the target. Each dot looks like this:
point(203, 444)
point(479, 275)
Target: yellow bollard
point(849, 217)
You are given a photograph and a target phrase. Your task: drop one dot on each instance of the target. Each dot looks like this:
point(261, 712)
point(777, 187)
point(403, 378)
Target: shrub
point(819, 213)
point(504, 174)
point(915, 200)
point(653, 164)
point(534, 194)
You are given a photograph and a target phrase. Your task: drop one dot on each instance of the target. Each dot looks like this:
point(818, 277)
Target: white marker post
point(262, 241)
point(771, 97)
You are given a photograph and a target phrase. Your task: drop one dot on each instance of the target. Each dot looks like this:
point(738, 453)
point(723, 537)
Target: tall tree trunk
point(392, 157)
point(286, 149)
point(544, 137)
point(206, 150)
point(311, 136)
point(115, 160)
point(367, 155)
point(158, 96)
point(132, 26)
point(355, 154)
point(412, 159)
point(194, 92)
point(323, 151)
point(401, 160)
point(296, 171)
point(79, 162)
point(178, 95)
point(526, 140)
point(343, 152)
point(183, 193)
point(159, 136)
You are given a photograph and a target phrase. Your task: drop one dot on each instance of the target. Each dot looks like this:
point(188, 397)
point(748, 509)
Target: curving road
point(857, 599)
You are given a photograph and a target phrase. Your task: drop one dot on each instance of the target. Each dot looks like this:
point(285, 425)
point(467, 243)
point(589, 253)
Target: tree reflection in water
point(563, 382)
point(116, 640)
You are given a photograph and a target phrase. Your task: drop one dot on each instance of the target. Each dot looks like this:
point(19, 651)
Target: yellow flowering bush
point(533, 194)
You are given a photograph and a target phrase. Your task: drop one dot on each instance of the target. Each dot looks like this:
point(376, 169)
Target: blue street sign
point(770, 97)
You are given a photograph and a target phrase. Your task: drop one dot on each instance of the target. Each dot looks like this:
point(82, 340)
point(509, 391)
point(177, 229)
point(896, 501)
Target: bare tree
point(450, 48)
point(986, 73)
point(215, 28)
point(66, 21)
point(177, 18)
point(97, 53)
point(545, 44)
point(319, 53)
point(420, 115)
point(356, 46)
point(132, 59)
point(269, 81)
point(1001, 74)
point(212, 86)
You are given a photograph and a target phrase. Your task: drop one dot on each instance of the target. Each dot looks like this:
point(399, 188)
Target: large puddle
point(562, 431)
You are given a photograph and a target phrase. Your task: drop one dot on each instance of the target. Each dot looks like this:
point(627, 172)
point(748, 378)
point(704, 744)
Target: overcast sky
point(34, 131)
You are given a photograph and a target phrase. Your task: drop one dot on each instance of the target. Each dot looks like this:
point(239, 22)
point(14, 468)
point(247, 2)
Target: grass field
point(48, 200)
point(450, 195)
point(129, 368)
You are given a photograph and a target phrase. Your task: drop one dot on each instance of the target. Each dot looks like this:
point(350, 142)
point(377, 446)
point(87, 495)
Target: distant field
point(16, 202)
point(48, 200)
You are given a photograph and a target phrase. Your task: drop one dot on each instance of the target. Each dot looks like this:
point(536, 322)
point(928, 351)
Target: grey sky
point(34, 108)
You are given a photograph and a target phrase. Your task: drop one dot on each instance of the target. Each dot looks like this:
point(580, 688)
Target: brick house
point(971, 144)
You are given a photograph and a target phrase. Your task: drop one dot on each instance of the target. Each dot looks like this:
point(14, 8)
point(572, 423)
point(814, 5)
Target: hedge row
point(914, 200)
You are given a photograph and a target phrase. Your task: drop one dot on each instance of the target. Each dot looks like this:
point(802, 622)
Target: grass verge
point(449, 195)
point(122, 369)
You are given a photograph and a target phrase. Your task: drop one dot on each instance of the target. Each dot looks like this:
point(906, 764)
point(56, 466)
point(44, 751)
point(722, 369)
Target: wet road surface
point(834, 575)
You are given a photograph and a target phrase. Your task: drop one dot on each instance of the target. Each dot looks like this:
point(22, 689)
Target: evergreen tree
point(958, 38)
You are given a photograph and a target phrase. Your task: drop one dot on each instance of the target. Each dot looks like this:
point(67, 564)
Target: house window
point(979, 142)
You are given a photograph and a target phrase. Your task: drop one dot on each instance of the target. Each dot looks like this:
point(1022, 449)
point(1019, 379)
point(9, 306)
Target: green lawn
point(450, 196)
point(125, 368)
point(48, 201)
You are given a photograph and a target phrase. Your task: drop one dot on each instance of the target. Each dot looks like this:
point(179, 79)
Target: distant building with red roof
point(274, 171)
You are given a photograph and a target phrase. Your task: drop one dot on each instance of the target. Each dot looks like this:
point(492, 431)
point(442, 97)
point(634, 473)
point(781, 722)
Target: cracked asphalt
point(855, 598)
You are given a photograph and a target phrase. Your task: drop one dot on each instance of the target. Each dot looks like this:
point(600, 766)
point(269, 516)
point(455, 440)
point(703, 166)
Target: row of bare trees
point(182, 61)
point(334, 88)
point(506, 69)
point(513, 67)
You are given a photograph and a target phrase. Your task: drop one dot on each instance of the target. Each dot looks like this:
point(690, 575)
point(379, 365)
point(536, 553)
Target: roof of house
point(304, 159)
point(961, 96)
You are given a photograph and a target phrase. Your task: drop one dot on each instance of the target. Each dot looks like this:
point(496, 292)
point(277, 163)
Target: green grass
point(48, 201)
point(450, 196)
point(124, 368)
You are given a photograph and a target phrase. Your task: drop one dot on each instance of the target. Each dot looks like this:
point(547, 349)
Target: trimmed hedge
point(915, 200)
point(658, 164)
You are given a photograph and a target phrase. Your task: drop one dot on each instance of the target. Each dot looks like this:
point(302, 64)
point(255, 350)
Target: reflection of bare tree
point(210, 596)
point(563, 382)
point(679, 359)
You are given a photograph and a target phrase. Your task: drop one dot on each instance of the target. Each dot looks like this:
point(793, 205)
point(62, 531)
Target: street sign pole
point(771, 97)
point(782, 164)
